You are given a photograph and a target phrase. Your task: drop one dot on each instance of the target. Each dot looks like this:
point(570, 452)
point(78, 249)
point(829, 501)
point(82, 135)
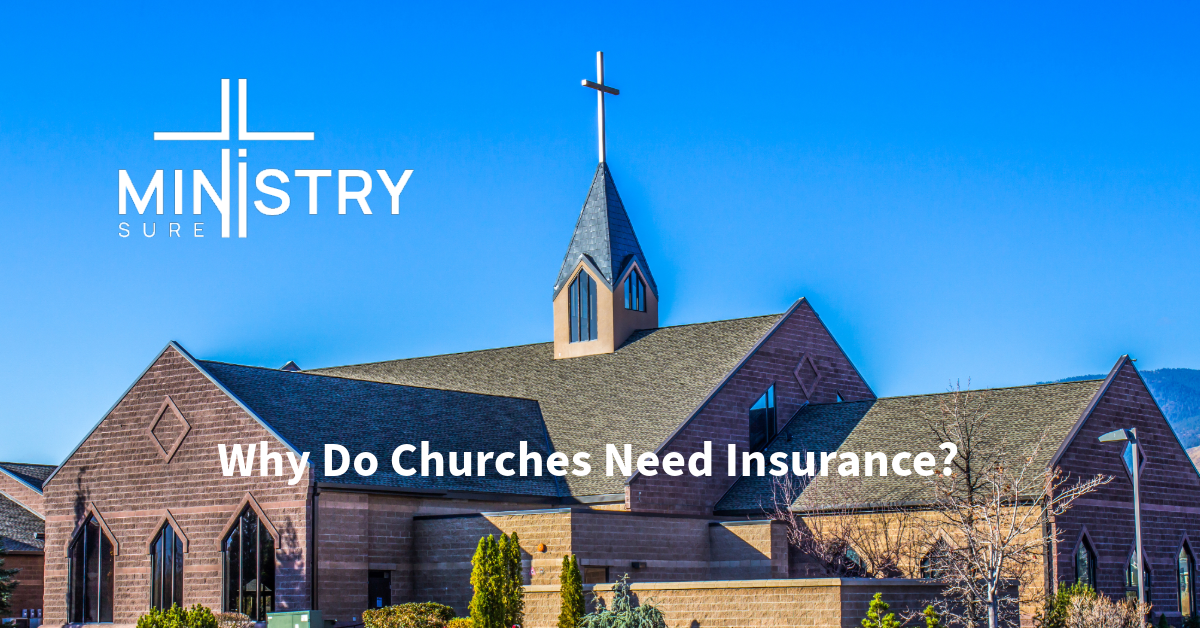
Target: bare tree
point(841, 540)
point(993, 508)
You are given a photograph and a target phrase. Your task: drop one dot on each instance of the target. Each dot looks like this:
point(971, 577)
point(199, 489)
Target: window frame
point(79, 602)
point(1131, 589)
point(582, 309)
point(263, 539)
point(635, 291)
point(770, 419)
point(1085, 545)
point(158, 557)
point(1185, 552)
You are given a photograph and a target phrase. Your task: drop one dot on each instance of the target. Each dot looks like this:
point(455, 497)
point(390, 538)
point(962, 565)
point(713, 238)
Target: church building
point(140, 515)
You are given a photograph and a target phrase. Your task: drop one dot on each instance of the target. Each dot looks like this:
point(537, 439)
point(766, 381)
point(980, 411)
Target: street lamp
point(1130, 436)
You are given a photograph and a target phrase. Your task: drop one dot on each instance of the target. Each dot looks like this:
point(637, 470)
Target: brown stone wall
point(28, 594)
point(725, 418)
point(119, 472)
point(17, 491)
point(1170, 495)
point(801, 603)
point(748, 551)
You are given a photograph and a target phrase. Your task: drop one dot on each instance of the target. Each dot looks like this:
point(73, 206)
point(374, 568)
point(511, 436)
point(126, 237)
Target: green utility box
point(295, 619)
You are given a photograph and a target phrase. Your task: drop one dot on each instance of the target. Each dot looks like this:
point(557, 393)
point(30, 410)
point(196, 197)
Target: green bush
point(414, 615)
point(496, 578)
point(175, 617)
point(1192, 621)
point(932, 619)
point(461, 622)
point(878, 616)
point(1054, 615)
point(570, 593)
point(623, 614)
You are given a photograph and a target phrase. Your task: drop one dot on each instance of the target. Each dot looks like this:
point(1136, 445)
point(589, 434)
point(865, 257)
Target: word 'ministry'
point(406, 461)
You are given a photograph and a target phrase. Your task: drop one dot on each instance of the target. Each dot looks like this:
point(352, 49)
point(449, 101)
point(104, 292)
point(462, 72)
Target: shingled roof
point(604, 235)
point(639, 394)
point(309, 411)
point(1018, 418)
point(19, 527)
point(31, 474)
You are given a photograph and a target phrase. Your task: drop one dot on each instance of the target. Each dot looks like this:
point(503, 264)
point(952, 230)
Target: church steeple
point(604, 290)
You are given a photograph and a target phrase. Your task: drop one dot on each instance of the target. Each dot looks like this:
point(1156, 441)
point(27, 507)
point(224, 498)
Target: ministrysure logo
point(265, 181)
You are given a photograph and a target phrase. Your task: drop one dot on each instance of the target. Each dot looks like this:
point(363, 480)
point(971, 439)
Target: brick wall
point(28, 594)
point(801, 603)
point(725, 418)
point(119, 470)
point(1170, 491)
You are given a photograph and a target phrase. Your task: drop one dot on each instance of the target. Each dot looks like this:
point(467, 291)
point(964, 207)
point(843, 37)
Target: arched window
point(166, 569)
point(762, 420)
point(90, 574)
point(248, 561)
point(582, 298)
point(1131, 584)
point(1186, 567)
point(635, 292)
point(934, 563)
point(1085, 563)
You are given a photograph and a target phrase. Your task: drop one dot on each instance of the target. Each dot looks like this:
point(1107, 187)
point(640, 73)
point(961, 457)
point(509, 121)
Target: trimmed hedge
point(414, 615)
point(175, 617)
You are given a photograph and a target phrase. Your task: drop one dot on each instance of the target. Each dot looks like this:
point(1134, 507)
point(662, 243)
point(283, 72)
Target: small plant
point(460, 622)
point(1054, 614)
point(233, 620)
point(571, 592)
point(623, 614)
point(415, 615)
point(1162, 621)
point(932, 619)
point(878, 616)
point(175, 617)
point(1192, 621)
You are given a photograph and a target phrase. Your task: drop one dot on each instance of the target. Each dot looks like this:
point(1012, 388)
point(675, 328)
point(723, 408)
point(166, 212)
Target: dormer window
point(635, 292)
point(582, 296)
point(762, 420)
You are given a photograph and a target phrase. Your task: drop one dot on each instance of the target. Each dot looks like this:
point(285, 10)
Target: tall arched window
point(582, 297)
point(1186, 567)
point(1131, 578)
point(934, 563)
point(166, 569)
point(248, 560)
point(1085, 564)
point(635, 292)
point(90, 574)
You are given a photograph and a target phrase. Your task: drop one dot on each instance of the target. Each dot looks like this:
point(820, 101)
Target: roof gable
point(604, 236)
point(32, 475)
point(639, 394)
point(1019, 417)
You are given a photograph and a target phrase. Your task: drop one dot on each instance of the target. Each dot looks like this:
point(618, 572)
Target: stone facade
point(27, 596)
point(120, 474)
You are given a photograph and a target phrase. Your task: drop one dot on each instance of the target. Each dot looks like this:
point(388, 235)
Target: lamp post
point(1130, 436)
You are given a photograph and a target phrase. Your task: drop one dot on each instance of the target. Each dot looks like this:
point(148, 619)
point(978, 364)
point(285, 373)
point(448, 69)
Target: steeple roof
point(604, 235)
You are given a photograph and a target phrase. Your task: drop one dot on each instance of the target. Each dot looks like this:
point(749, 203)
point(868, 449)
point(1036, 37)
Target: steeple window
point(582, 297)
point(635, 292)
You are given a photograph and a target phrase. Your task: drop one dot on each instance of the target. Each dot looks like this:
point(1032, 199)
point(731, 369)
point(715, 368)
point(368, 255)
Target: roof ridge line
point(948, 392)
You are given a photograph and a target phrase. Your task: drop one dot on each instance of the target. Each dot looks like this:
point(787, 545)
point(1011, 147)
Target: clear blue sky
point(1007, 194)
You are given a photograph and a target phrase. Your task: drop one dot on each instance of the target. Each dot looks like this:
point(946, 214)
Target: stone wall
point(28, 594)
point(120, 474)
point(780, 603)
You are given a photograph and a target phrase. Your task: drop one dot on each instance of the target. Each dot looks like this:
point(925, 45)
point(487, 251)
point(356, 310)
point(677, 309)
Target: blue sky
point(1002, 193)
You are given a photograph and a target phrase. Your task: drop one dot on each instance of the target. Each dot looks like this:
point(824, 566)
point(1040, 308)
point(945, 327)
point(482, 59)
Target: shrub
point(1099, 611)
point(932, 619)
point(623, 613)
point(460, 622)
point(1054, 614)
point(571, 593)
point(175, 617)
point(233, 620)
point(496, 577)
point(414, 615)
point(876, 617)
point(1192, 621)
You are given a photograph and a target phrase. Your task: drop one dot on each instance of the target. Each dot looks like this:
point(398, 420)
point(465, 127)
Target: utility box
point(295, 619)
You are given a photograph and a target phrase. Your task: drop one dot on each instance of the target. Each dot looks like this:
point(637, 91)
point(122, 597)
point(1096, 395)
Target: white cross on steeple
point(601, 89)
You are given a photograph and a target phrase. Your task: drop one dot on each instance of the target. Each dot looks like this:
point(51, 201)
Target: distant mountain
point(1177, 392)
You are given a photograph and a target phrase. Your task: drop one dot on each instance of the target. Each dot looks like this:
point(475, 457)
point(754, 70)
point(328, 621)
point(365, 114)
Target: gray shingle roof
point(311, 410)
point(1018, 418)
point(19, 527)
point(604, 234)
point(32, 474)
point(637, 395)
